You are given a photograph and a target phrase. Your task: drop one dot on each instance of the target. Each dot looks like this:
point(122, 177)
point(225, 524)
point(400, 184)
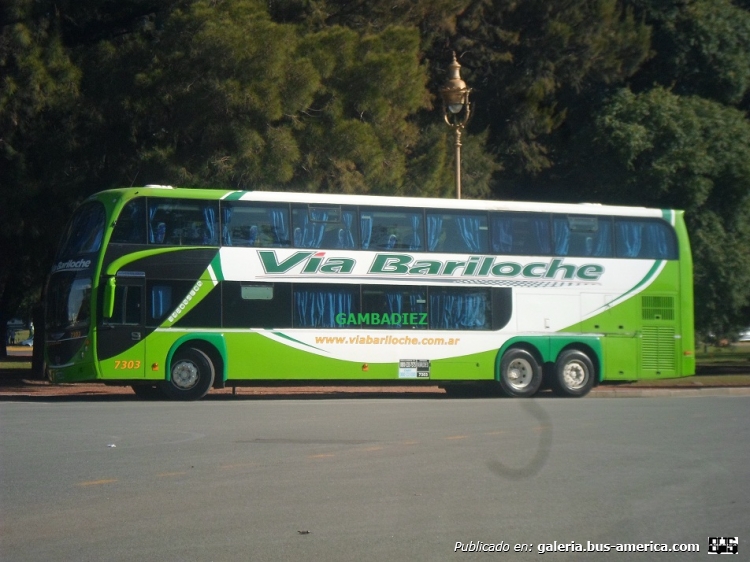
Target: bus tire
point(148, 391)
point(520, 373)
point(191, 375)
point(574, 374)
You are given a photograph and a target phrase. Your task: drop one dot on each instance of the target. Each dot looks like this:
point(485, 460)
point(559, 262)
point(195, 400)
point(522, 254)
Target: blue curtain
point(657, 241)
point(629, 239)
point(603, 241)
point(365, 228)
point(226, 232)
point(541, 232)
point(161, 301)
point(502, 235)
point(457, 311)
point(416, 241)
point(279, 227)
point(468, 227)
point(395, 305)
point(317, 308)
point(346, 238)
point(434, 230)
point(151, 232)
point(209, 236)
point(561, 230)
point(311, 233)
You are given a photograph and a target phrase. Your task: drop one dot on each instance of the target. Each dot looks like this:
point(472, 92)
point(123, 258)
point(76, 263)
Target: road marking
point(97, 482)
point(368, 449)
point(454, 437)
point(321, 456)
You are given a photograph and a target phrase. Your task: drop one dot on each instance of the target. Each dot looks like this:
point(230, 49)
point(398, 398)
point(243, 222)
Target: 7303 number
point(127, 364)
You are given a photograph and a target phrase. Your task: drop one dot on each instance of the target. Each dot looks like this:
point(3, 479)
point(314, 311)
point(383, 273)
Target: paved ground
point(725, 379)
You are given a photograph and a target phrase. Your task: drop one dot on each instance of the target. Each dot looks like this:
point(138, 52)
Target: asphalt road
point(369, 479)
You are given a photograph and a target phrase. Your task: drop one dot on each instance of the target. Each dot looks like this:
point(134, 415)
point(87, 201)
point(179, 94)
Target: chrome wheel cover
point(185, 374)
point(575, 375)
point(519, 374)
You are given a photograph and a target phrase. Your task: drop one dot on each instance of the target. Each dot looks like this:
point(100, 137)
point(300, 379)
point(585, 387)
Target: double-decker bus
point(176, 291)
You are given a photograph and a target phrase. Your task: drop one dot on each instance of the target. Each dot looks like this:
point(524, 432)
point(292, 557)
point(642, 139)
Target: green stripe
point(299, 342)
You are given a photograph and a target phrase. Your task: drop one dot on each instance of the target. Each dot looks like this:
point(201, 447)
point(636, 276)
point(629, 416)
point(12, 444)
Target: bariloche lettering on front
point(317, 262)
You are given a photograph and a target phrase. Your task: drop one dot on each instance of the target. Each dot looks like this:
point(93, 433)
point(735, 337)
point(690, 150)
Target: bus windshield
point(68, 301)
point(84, 234)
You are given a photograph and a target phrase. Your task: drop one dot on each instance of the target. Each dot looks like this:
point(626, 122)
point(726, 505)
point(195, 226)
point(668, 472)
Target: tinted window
point(85, 231)
point(460, 308)
point(130, 227)
point(521, 234)
point(319, 306)
point(391, 307)
point(382, 229)
point(582, 236)
point(255, 224)
point(464, 233)
point(644, 239)
point(321, 227)
point(182, 222)
point(257, 305)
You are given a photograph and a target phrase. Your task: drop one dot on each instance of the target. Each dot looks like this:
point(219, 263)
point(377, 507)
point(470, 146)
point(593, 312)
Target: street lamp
point(456, 110)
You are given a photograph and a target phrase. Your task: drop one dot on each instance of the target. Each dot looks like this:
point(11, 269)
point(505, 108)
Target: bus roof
point(378, 200)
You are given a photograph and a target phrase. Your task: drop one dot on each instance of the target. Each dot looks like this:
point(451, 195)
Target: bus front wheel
point(520, 373)
point(191, 375)
point(574, 374)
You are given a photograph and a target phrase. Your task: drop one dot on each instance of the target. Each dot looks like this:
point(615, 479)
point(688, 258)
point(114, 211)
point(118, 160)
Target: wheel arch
point(213, 345)
point(546, 350)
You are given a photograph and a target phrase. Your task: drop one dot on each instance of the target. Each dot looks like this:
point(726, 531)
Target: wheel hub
point(574, 375)
point(519, 374)
point(185, 375)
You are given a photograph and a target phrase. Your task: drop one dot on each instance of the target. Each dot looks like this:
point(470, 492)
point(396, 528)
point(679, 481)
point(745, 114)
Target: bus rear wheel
point(574, 374)
point(520, 373)
point(191, 375)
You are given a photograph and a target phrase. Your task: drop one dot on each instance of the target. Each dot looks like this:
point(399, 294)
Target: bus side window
point(255, 224)
point(644, 239)
point(127, 309)
point(463, 233)
point(393, 229)
point(182, 222)
point(521, 234)
point(130, 227)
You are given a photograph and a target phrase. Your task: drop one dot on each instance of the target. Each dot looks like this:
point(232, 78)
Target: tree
point(660, 149)
point(38, 89)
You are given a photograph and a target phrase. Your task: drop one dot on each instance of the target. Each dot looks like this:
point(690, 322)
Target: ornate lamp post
point(456, 110)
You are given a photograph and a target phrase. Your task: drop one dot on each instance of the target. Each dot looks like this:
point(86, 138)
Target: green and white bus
point(176, 291)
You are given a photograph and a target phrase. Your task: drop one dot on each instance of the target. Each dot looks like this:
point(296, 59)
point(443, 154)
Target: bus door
point(120, 344)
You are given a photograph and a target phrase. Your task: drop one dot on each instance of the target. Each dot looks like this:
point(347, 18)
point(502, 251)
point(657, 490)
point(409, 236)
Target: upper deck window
point(130, 227)
point(183, 222)
point(644, 239)
point(85, 231)
point(464, 233)
point(386, 229)
point(325, 227)
point(582, 236)
point(521, 234)
point(255, 224)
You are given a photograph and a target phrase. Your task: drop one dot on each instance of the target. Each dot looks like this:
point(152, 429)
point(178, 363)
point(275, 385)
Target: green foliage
point(691, 153)
point(532, 59)
point(701, 47)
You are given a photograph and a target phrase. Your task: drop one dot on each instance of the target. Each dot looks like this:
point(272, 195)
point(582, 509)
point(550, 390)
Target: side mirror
point(108, 304)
